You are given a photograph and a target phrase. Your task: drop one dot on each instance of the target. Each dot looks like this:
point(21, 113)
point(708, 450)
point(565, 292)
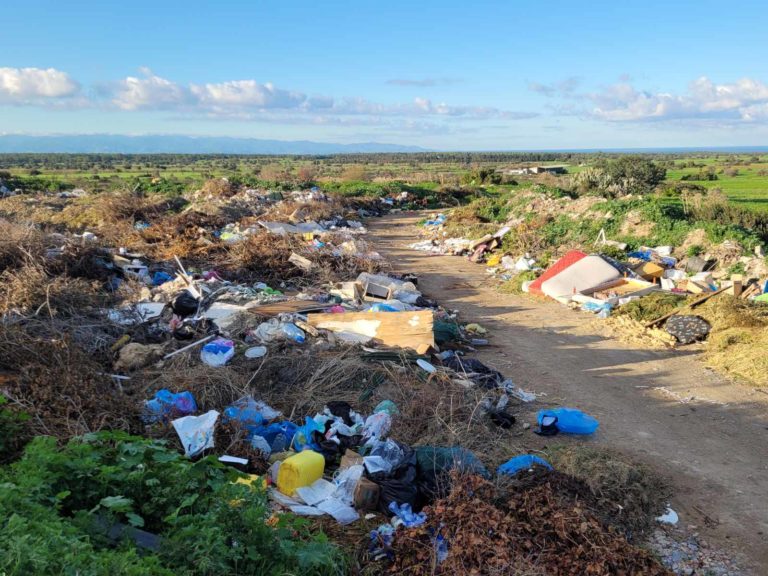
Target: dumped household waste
point(522, 462)
point(687, 329)
point(569, 420)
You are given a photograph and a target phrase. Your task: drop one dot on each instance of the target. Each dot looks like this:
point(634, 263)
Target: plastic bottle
point(293, 332)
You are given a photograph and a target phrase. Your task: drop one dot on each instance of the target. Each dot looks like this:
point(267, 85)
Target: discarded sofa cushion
point(588, 272)
point(687, 329)
point(570, 258)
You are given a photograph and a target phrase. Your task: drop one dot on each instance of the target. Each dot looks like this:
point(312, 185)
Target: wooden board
point(397, 329)
point(286, 307)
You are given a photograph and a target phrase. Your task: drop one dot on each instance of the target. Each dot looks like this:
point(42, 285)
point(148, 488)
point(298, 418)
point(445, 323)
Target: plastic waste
point(166, 404)
point(160, 277)
point(426, 366)
point(387, 406)
point(260, 443)
point(196, 432)
point(218, 352)
point(669, 517)
point(381, 542)
point(300, 470)
point(522, 462)
point(384, 456)
point(377, 425)
point(267, 331)
point(408, 517)
point(256, 352)
point(382, 307)
point(570, 420)
point(341, 512)
point(316, 492)
point(293, 332)
point(346, 482)
point(441, 549)
point(279, 435)
point(303, 437)
point(248, 411)
point(184, 304)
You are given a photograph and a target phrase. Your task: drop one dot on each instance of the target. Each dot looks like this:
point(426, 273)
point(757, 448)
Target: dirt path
point(714, 447)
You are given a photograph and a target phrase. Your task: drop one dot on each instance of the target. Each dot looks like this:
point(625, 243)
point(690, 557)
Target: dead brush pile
point(59, 382)
point(530, 527)
point(264, 257)
point(434, 411)
point(33, 283)
point(629, 495)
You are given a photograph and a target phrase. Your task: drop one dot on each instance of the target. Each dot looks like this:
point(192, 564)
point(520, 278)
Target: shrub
point(56, 504)
point(13, 431)
point(694, 250)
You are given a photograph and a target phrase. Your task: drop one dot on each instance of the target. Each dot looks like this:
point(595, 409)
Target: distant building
point(536, 170)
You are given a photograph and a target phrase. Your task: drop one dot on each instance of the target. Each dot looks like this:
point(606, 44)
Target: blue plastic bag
point(161, 277)
point(279, 435)
point(381, 307)
point(570, 420)
point(166, 404)
point(522, 462)
point(303, 437)
point(409, 518)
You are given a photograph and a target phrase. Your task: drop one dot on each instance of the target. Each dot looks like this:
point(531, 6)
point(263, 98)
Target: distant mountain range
point(169, 144)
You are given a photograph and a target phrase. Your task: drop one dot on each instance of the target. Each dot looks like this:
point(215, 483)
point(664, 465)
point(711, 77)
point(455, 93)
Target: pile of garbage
point(601, 284)
point(347, 395)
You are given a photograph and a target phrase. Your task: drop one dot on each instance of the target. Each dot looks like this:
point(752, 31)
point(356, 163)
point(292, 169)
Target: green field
point(742, 178)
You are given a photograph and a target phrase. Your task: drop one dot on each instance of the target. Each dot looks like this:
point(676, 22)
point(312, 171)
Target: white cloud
point(148, 92)
point(35, 86)
point(245, 94)
point(745, 100)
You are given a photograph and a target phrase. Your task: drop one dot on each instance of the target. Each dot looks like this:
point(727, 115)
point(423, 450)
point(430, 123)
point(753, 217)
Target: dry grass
point(739, 338)
point(630, 493)
point(60, 383)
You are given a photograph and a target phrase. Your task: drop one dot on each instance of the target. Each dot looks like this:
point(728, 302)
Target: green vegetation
point(57, 504)
point(13, 431)
point(743, 179)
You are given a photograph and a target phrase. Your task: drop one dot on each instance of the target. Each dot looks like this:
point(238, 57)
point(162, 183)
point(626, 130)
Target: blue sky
point(444, 75)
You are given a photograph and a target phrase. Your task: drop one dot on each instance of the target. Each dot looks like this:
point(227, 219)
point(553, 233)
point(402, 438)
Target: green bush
point(54, 500)
point(13, 431)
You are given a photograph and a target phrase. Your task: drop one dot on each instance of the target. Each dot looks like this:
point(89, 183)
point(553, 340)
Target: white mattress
point(587, 273)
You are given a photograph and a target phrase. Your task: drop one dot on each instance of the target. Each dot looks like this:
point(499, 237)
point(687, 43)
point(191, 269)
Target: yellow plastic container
point(300, 470)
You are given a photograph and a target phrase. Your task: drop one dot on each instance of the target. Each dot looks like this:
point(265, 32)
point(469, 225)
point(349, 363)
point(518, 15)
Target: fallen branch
point(691, 305)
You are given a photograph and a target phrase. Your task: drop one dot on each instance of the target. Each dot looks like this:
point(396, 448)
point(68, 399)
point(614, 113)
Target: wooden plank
point(412, 330)
point(286, 307)
point(691, 305)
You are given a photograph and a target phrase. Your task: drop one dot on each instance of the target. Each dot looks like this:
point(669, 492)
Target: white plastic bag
point(377, 425)
point(346, 482)
point(196, 432)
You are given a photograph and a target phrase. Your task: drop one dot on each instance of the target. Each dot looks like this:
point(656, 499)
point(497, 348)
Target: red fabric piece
point(570, 258)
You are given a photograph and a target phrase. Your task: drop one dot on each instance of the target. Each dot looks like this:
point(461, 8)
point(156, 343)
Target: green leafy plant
point(57, 503)
point(13, 431)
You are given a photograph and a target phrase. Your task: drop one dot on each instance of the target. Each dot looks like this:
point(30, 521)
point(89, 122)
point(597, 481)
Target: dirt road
point(708, 435)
